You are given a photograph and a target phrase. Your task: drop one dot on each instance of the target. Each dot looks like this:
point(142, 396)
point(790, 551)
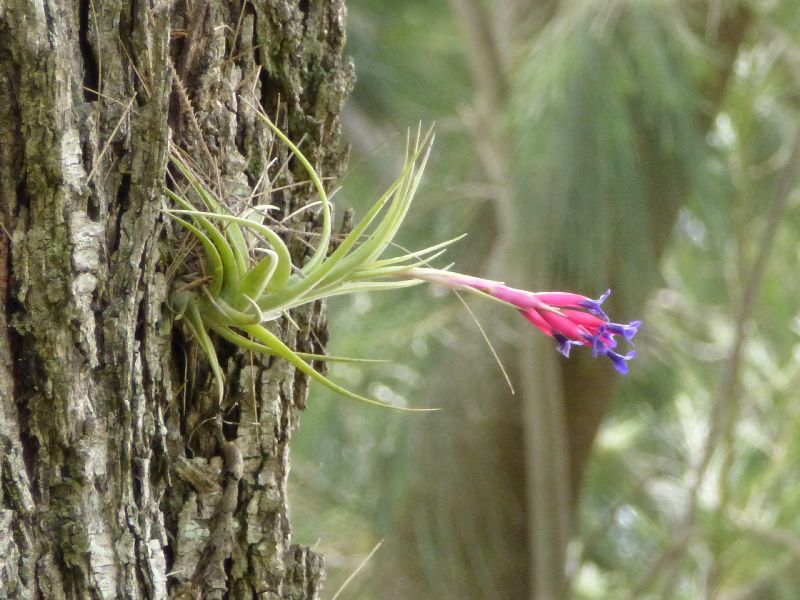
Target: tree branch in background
point(481, 119)
point(725, 397)
point(545, 456)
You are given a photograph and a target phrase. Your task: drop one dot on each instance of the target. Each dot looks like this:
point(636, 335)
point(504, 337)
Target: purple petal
point(607, 336)
point(564, 344)
point(627, 331)
point(593, 306)
point(620, 361)
point(601, 346)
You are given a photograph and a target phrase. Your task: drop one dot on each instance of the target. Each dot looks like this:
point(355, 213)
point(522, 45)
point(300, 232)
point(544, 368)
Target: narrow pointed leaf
point(280, 349)
point(229, 273)
point(256, 279)
point(283, 268)
point(213, 261)
point(195, 322)
point(322, 249)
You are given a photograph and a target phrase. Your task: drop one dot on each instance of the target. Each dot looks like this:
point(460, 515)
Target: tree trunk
point(121, 475)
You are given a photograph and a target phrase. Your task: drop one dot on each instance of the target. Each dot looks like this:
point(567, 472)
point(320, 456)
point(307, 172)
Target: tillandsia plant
point(248, 278)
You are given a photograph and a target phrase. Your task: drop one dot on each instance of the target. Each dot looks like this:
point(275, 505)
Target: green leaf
point(322, 249)
point(197, 326)
point(255, 281)
point(283, 268)
point(273, 345)
point(214, 262)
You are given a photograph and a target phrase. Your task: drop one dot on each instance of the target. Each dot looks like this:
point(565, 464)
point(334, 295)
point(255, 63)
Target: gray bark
point(120, 475)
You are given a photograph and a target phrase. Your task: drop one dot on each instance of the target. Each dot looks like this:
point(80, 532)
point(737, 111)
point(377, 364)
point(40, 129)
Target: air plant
point(242, 290)
point(249, 279)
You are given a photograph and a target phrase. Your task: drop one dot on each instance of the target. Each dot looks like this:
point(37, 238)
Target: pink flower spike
point(534, 317)
point(571, 319)
point(588, 327)
point(560, 298)
point(566, 327)
point(519, 298)
point(569, 299)
point(587, 320)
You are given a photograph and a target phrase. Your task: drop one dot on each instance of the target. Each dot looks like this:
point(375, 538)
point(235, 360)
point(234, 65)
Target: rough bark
point(120, 476)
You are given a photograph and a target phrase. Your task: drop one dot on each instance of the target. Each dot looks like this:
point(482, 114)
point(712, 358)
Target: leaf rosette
point(248, 276)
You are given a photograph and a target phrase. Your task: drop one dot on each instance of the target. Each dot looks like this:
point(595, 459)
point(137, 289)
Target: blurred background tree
point(644, 145)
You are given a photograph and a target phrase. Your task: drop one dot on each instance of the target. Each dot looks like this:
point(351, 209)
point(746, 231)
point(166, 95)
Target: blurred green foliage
point(636, 161)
